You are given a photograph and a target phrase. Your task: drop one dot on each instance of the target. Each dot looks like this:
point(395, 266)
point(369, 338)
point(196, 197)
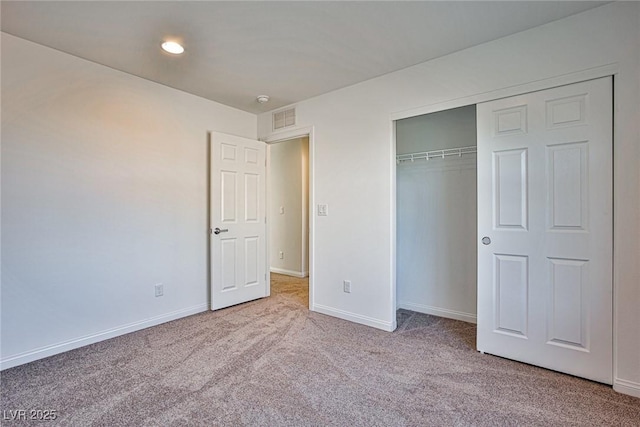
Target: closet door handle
point(218, 231)
point(486, 240)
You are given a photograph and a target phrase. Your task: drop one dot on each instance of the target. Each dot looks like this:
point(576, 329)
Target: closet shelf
point(435, 154)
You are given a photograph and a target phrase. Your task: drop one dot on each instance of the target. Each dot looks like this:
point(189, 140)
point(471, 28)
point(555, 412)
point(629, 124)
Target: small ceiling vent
point(284, 119)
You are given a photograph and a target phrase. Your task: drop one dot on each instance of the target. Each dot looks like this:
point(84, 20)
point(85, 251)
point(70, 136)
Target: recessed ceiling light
point(173, 47)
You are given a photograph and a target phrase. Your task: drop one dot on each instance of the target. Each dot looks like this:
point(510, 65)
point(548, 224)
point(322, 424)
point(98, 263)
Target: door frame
point(609, 70)
point(301, 132)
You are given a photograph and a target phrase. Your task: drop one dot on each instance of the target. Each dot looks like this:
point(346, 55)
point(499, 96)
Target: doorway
point(239, 197)
point(288, 207)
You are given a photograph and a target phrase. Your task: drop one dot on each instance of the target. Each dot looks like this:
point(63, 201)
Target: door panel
point(568, 186)
point(569, 311)
point(512, 293)
point(228, 205)
point(238, 194)
point(510, 193)
point(252, 197)
point(228, 264)
point(545, 202)
point(252, 263)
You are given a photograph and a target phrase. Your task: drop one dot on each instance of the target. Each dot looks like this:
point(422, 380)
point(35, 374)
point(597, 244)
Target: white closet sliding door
point(545, 228)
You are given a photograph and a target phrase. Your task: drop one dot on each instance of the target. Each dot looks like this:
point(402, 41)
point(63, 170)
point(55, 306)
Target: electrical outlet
point(346, 286)
point(281, 255)
point(159, 289)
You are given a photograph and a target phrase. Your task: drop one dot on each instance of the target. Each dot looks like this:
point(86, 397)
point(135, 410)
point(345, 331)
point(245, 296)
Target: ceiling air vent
point(284, 119)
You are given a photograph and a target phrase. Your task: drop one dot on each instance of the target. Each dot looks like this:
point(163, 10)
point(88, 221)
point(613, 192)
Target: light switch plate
point(323, 210)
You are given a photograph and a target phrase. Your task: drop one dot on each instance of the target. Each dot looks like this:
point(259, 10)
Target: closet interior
point(437, 213)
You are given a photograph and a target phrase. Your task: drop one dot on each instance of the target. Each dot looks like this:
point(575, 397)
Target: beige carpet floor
point(273, 363)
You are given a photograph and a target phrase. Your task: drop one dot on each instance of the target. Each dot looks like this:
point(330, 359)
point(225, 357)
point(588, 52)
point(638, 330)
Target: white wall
point(436, 216)
point(104, 194)
point(354, 172)
point(288, 191)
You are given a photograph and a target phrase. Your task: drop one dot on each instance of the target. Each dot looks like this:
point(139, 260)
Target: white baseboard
point(50, 350)
point(300, 274)
point(440, 312)
point(356, 318)
point(626, 387)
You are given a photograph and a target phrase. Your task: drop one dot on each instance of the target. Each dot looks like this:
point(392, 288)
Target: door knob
point(218, 231)
point(486, 240)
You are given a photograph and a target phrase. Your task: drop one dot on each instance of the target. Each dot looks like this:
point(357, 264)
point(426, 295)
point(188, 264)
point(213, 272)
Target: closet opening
point(436, 213)
point(541, 187)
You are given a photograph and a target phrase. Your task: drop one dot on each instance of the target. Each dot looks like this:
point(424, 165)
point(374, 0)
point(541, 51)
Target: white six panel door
point(238, 194)
point(545, 224)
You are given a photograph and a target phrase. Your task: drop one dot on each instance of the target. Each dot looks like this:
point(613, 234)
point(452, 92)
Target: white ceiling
point(288, 50)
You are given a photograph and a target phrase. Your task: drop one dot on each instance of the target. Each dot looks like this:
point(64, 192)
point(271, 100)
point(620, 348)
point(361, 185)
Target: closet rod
point(435, 154)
